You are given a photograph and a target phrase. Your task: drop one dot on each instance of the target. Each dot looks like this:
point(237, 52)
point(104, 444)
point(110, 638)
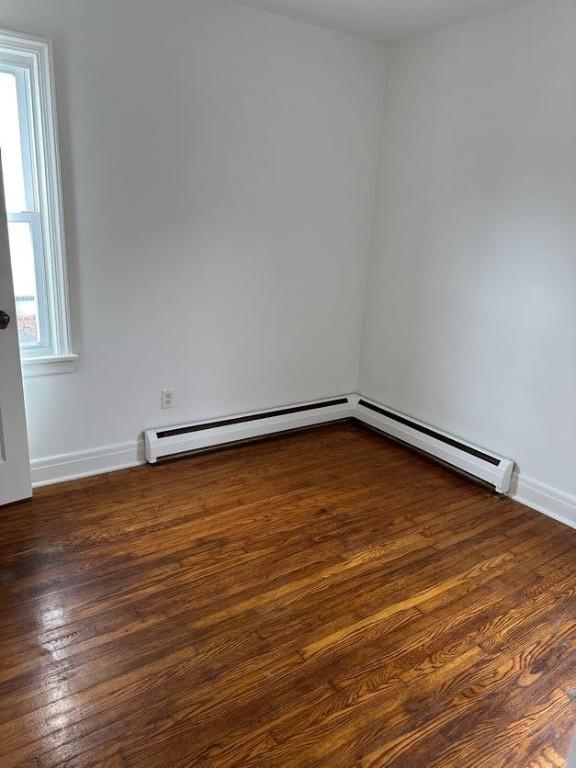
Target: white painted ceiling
point(384, 20)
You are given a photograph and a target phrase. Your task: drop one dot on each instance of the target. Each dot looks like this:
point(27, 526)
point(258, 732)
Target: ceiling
point(384, 20)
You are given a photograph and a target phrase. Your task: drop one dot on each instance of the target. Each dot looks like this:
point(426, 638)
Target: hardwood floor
point(326, 599)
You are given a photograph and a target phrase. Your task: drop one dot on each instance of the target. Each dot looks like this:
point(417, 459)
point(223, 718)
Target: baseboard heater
point(494, 470)
point(478, 463)
point(187, 438)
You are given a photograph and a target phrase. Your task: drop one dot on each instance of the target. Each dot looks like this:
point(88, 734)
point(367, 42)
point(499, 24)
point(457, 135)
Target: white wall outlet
point(167, 398)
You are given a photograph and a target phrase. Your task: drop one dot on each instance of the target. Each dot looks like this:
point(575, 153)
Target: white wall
point(471, 314)
point(219, 172)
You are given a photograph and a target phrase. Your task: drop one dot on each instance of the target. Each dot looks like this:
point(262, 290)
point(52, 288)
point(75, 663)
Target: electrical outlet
point(167, 398)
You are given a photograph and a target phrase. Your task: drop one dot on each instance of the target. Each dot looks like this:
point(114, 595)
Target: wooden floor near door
point(326, 599)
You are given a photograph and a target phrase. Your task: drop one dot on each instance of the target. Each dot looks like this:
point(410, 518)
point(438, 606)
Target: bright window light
point(31, 174)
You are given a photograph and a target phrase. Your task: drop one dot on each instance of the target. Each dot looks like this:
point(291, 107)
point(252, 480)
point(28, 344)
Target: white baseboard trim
point(543, 498)
point(73, 466)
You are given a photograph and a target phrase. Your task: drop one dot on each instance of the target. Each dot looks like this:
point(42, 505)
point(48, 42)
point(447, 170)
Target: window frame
point(30, 59)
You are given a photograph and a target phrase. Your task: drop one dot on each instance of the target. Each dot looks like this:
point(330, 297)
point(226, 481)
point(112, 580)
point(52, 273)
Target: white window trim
point(36, 54)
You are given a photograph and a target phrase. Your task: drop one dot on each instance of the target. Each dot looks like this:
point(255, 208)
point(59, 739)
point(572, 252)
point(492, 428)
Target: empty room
point(288, 383)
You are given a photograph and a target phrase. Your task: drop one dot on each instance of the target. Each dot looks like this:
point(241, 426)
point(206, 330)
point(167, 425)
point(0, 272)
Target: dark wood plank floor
point(326, 599)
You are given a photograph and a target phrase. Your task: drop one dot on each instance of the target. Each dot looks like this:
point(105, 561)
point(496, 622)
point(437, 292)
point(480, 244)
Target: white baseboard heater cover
point(486, 466)
point(186, 438)
point(474, 461)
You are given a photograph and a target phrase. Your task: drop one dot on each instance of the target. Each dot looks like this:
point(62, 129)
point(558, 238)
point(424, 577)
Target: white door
point(14, 460)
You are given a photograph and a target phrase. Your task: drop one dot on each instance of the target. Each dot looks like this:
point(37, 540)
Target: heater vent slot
point(432, 433)
point(246, 419)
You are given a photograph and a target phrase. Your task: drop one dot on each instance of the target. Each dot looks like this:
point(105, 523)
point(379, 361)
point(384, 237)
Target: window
point(28, 142)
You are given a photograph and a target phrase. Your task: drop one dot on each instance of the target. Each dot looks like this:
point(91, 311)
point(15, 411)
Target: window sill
point(48, 366)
